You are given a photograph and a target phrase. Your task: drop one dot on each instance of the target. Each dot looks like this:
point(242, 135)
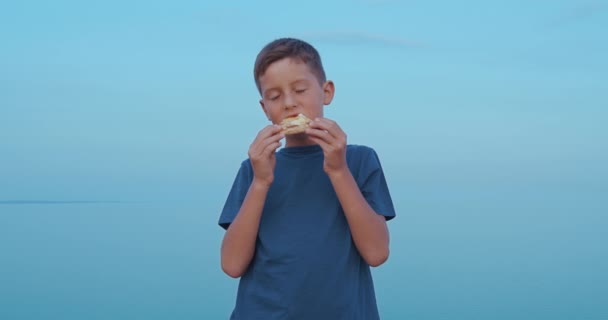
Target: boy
point(305, 223)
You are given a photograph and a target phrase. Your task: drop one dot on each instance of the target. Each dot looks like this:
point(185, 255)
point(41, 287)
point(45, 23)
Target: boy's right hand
point(261, 153)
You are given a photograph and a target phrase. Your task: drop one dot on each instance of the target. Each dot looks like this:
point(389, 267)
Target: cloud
point(362, 38)
point(579, 13)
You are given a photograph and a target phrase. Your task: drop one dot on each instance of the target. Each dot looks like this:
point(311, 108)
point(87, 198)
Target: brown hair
point(288, 48)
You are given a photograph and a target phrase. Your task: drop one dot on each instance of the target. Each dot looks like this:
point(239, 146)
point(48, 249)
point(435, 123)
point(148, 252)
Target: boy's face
point(288, 87)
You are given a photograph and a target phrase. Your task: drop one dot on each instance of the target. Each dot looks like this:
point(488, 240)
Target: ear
point(328, 92)
point(264, 109)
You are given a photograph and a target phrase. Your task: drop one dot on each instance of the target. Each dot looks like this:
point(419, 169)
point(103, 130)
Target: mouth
point(292, 116)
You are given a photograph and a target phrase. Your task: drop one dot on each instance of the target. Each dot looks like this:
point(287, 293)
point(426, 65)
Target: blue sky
point(134, 100)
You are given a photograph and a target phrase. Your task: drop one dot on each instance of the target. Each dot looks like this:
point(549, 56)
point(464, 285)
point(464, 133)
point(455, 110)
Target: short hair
point(288, 48)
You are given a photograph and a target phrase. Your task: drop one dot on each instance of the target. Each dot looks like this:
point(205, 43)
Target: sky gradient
point(489, 119)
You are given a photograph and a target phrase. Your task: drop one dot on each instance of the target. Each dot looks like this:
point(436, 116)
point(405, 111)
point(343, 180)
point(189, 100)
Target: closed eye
point(301, 91)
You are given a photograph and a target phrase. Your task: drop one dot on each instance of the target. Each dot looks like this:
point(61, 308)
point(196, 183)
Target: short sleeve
point(373, 185)
point(237, 194)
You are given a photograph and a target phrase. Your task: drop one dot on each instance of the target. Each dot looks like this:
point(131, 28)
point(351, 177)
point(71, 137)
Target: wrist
point(339, 173)
point(260, 184)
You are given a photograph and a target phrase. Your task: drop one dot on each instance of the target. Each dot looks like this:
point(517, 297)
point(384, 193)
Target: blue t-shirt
point(306, 265)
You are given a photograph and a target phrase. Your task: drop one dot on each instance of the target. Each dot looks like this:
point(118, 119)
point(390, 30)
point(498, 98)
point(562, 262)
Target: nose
point(289, 101)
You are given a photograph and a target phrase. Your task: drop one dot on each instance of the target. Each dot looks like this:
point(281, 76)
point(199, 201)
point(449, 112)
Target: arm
point(368, 228)
point(238, 245)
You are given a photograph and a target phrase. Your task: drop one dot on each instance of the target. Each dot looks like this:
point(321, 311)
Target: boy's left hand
point(332, 140)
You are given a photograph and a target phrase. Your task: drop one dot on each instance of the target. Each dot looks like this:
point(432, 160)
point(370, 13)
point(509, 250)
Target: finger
point(324, 123)
point(328, 125)
point(266, 136)
point(324, 145)
point(331, 146)
point(271, 148)
point(260, 145)
point(268, 131)
point(276, 137)
point(321, 134)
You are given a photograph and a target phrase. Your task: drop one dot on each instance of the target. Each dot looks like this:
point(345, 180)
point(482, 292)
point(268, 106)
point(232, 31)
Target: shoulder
point(359, 148)
point(245, 168)
point(245, 163)
point(362, 158)
point(360, 151)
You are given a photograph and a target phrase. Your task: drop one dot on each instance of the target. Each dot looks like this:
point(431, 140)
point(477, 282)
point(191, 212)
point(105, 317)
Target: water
point(496, 253)
point(110, 261)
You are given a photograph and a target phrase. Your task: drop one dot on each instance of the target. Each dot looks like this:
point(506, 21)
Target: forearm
point(238, 245)
point(368, 228)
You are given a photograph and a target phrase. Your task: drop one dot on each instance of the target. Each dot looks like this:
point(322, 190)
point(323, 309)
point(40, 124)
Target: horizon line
point(8, 202)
